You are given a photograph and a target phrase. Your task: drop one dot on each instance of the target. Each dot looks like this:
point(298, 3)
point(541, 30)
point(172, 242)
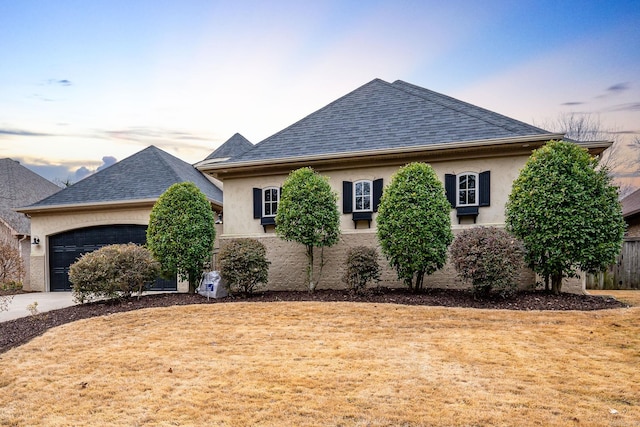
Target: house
point(18, 187)
point(358, 141)
point(111, 206)
point(631, 214)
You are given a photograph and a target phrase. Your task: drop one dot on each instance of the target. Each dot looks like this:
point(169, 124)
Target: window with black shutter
point(361, 199)
point(468, 191)
point(265, 205)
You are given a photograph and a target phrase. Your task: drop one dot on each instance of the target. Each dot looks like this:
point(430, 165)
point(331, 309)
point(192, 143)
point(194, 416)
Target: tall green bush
point(181, 232)
point(414, 227)
point(566, 211)
point(114, 271)
point(489, 259)
point(243, 265)
point(308, 214)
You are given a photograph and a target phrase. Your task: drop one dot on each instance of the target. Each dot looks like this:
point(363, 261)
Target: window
point(467, 192)
point(265, 205)
point(361, 199)
point(467, 185)
point(270, 199)
point(362, 196)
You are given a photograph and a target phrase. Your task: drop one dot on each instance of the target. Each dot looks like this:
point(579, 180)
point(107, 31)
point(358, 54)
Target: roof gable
point(142, 176)
point(233, 147)
point(381, 115)
point(20, 187)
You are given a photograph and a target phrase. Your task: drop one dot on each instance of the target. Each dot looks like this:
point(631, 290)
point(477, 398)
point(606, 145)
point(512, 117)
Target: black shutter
point(257, 203)
point(450, 188)
point(485, 188)
point(377, 193)
point(347, 197)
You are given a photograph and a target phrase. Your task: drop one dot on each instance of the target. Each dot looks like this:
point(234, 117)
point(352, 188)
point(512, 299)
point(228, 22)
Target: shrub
point(5, 300)
point(11, 264)
point(414, 228)
point(489, 259)
point(243, 265)
point(361, 268)
point(565, 208)
point(308, 214)
point(114, 271)
point(181, 232)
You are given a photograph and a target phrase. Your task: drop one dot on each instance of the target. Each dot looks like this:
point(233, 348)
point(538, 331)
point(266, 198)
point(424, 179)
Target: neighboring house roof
point(631, 204)
point(19, 187)
point(233, 147)
point(384, 116)
point(143, 176)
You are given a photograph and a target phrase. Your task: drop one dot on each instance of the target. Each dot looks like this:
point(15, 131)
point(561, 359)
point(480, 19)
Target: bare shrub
point(114, 271)
point(243, 265)
point(11, 265)
point(362, 268)
point(489, 259)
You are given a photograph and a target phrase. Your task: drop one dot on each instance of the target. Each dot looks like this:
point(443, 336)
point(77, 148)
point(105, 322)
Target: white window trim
point(355, 209)
point(477, 189)
point(264, 202)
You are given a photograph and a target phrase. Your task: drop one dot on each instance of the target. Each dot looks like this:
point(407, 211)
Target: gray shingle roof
point(381, 115)
point(142, 176)
point(19, 187)
point(234, 146)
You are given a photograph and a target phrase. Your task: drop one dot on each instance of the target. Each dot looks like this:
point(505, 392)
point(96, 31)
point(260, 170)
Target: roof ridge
point(415, 91)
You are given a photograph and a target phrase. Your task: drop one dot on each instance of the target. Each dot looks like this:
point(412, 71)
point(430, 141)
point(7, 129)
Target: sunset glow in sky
point(85, 83)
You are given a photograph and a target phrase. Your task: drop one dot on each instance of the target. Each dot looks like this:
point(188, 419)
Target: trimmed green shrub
point(362, 268)
point(565, 209)
point(414, 227)
point(308, 214)
point(243, 265)
point(489, 259)
point(181, 232)
point(114, 271)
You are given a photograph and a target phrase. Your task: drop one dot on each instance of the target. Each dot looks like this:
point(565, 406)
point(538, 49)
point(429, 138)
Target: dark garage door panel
point(65, 248)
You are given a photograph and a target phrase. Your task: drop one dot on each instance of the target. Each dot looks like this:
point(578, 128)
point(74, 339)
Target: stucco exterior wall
point(288, 260)
point(238, 204)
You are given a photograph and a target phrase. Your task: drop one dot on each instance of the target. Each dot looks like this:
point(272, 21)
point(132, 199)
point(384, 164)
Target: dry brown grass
point(328, 364)
point(631, 297)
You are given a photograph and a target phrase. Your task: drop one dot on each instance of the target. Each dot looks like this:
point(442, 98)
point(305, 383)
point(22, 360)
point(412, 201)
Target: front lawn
point(328, 363)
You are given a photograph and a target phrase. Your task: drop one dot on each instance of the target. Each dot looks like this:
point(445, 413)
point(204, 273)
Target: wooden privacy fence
point(624, 274)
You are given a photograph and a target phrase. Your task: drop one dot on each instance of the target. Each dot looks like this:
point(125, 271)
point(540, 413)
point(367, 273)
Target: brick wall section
point(288, 264)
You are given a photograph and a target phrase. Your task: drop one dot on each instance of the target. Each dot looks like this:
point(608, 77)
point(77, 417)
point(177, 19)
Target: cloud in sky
point(59, 82)
point(618, 87)
point(18, 132)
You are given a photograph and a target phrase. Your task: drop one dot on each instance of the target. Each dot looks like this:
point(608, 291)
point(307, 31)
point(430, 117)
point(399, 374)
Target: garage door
point(65, 248)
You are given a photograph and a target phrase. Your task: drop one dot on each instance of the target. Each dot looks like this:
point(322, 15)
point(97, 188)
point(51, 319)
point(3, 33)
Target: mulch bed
point(19, 331)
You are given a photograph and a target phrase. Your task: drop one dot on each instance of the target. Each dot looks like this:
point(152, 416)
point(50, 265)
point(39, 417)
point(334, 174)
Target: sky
point(86, 83)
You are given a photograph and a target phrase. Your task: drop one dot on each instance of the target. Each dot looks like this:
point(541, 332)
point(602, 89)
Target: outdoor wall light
point(36, 240)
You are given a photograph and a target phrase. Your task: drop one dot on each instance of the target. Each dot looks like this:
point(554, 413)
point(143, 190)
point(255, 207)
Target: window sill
point(361, 216)
point(467, 211)
point(267, 220)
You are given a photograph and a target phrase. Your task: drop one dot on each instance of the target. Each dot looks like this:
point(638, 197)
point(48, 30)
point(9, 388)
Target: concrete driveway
point(46, 301)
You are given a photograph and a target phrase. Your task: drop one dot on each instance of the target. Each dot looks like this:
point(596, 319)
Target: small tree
point(114, 271)
point(181, 232)
point(565, 210)
point(489, 259)
point(243, 265)
point(414, 228)
point(361, 268)
point(308, 214)
point(11, 264)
